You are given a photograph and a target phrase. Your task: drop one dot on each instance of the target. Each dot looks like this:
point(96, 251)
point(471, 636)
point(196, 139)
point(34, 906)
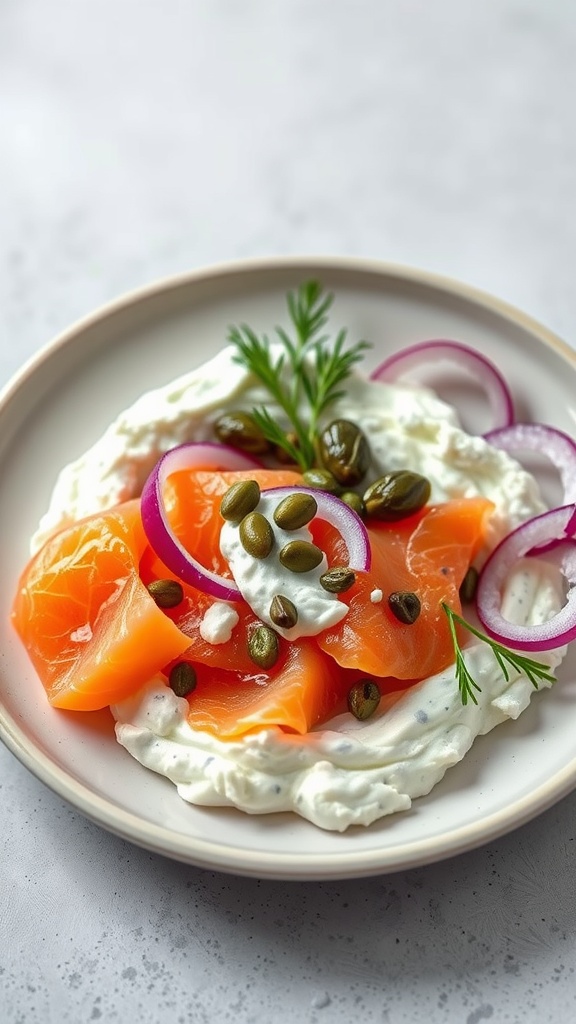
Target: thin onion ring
point(476, 364)
point(549, 441)
point(160, 535)
point(553, 529)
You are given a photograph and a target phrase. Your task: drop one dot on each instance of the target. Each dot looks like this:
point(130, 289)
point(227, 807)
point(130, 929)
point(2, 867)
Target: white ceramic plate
point(62, 402)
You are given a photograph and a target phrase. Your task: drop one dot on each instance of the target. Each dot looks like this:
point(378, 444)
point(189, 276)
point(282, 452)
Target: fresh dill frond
point(273, 433)
point(333, 366)
point(307, 372)
point(535, 671)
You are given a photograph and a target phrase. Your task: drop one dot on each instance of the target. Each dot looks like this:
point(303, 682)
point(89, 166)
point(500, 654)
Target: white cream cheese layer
point(348, 772)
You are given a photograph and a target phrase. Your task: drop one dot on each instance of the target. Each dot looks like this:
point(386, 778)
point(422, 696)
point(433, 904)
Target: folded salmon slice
point(303, 688)
point(428, 555)
point(91, 629)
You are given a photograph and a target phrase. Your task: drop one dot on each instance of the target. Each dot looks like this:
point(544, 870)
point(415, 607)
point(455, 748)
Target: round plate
point(62, 401)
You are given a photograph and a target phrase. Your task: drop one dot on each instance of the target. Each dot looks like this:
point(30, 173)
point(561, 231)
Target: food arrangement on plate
point(299, 587)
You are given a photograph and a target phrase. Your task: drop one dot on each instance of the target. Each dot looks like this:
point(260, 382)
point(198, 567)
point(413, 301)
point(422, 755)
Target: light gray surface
point(139, 139)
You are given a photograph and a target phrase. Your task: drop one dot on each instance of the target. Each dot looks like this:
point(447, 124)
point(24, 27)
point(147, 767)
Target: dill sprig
point(535, 671)
point(307, 371)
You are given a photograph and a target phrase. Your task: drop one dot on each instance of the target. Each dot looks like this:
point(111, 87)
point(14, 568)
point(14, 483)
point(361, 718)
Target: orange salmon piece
point(91, 629)
point(427, 554)
point(302, 689)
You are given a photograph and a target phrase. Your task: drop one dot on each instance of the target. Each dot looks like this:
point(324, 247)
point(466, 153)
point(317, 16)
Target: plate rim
point(355, 264)
point(207, 853)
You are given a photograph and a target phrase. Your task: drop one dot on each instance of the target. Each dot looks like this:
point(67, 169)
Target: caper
point(295, 510)
point(363, 699)
point(166, 593)
point(468, 585)
point(256, 535)
point(338, 579)
point(397, 495)
point(182, 678)
point(283, 612)
point(344, 450)
point(405, 605)
point(322, 480)
point(240, 499)
point(300, 556)
point(263, 646)
point(354, 501)
point(240, 430)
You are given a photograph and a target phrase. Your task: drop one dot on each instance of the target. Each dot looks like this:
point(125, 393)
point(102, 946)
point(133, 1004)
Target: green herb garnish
point(308, 369)
point(534, 670)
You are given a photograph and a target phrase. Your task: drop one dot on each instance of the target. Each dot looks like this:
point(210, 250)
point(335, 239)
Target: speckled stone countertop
point(141, 139)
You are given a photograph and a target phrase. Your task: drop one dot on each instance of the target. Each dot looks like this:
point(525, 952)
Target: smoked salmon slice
point(91, 629)
point(302, 689)
point(428, 555)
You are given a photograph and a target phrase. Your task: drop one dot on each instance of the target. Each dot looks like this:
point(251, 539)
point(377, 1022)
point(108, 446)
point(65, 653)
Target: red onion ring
point(336, 512)
point(211, 455)
point(155, 521)
point(476, 364)
point(537, 437)
point(553, 529)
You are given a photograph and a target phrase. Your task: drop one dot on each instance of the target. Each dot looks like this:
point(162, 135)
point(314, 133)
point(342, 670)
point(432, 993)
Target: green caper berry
point(354, 501)
point(344, 451)
point(397, 495)
point(256, 535)
point(405, 605)
point(240, 499)
point(240, 430)
point(468, 586)
point(322, 480)
point(295, 511)
point(283, 612)
point(338, 579)
point(263, 647)
point(182, 678)
point(166, 593)
point(300, 556)
point(363, 699)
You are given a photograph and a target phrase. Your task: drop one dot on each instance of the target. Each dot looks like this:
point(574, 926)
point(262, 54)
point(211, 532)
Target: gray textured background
point(143, 138)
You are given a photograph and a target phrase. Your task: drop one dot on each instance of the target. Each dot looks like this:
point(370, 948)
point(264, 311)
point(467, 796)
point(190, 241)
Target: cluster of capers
point(344, 460)
point(392, 497)
point(345, 456)
point(239, 506)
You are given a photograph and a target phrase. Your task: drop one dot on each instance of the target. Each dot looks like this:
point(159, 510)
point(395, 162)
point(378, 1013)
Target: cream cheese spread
point(346, 772)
